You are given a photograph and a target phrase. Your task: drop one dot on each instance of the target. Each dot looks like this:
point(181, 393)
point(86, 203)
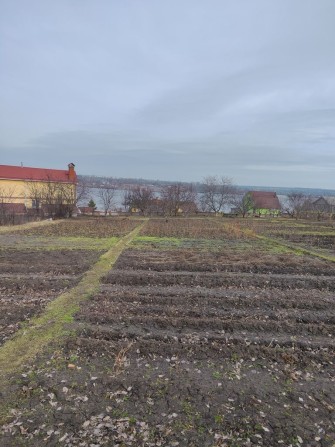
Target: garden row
point(201, 335)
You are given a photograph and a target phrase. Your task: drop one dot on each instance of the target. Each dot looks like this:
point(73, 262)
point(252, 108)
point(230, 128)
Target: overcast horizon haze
point(174, 90)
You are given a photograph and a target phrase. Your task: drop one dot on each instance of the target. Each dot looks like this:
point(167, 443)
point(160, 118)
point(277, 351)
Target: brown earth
point(322, 241)
point(304, 233)
point(30, 279)
point(225, 260)
point(185, 349)
point(87, 227)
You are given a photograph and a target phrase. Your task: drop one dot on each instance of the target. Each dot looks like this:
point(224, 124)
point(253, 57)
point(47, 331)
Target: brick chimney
point(72, 173)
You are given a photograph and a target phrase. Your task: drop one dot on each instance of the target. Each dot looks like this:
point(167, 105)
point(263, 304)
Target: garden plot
point(30, 279)
point(223, 343)
point(39, 263)
point(316, 236)
point(87, 227)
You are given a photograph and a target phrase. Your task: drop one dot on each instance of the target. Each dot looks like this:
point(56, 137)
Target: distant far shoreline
point(124, 183)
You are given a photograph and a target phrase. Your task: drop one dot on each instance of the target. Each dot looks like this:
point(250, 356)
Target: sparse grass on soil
point(95, 227)
point(317, 238)
point(196, 228)
point(203, 337)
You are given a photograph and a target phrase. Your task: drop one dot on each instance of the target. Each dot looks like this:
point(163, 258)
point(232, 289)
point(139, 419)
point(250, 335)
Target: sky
point(171, 90)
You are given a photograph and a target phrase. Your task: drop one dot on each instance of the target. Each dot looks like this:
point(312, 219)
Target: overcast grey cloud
point(172, 90)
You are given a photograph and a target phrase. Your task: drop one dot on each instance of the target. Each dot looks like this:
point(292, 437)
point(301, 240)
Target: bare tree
point(35, 194)
point(178, 197)
point(55, 198)
point(106, 195)
point(6, 211)
point(297, 203)
point(140, 198)
point(83, 190)
point(217, 192)
point(242, 202)
point(6, 194)
point(127, 199)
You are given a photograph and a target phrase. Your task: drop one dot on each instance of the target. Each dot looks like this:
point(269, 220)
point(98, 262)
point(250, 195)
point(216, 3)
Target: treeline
point(215, 194)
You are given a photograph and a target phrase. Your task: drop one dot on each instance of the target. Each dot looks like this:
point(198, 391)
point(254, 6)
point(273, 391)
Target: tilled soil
point(322, 241)
point(242, 280)
point(56, 262)
point(86, 227)
point(171, 357)
point(29, 280)
point(250, 261)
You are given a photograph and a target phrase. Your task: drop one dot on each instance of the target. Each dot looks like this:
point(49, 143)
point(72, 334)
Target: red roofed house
point(52, 190)
point(263, 203)
point(86, 210)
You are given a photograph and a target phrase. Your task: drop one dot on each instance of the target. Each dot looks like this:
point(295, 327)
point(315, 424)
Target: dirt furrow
point(217, 297)
point(242, 280)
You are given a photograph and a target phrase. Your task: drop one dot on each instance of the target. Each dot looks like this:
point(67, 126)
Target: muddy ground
point(190, 348)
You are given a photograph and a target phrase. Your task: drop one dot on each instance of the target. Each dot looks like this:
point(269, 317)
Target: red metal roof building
point(38, 174)
point(264, 200)
point(27, 186)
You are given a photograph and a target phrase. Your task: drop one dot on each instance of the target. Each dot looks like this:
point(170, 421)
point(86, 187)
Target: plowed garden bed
point(29, 280)
point(39, 263)
point(191, 342)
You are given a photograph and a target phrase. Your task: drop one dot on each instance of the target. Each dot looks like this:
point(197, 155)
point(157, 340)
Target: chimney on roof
point(72, 174)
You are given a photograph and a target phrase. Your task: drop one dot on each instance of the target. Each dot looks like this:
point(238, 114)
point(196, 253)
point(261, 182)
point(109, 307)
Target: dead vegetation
point(95, 227)
point(201, 228)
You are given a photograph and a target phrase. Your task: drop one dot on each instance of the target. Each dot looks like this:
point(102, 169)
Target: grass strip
point(295, 249)
point(51, 325)
point(27, 226)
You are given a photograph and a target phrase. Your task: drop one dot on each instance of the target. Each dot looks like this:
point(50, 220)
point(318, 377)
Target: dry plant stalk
point(120, 359)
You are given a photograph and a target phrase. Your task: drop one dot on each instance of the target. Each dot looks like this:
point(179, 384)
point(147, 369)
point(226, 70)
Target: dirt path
point(51, 325)
point(28, 226)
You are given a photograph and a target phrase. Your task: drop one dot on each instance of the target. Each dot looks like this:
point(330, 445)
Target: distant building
point(86, 210)
point(263, 203)
point(324, 204)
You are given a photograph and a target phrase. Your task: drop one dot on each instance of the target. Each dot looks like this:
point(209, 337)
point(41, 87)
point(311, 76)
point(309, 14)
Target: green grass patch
point(27, 226)
point(171, 243)
point(295, 249)
point(157, 242)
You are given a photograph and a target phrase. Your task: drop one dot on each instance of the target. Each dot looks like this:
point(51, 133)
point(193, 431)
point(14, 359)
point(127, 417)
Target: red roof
point(25, 173)
point(265, 199)
point(86, 209)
